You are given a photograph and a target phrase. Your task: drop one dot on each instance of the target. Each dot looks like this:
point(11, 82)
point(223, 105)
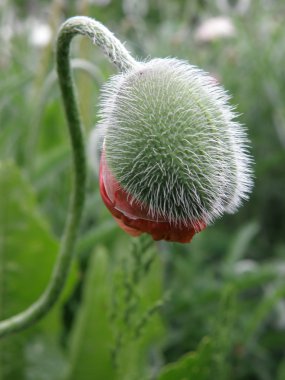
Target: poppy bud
point(173, 156)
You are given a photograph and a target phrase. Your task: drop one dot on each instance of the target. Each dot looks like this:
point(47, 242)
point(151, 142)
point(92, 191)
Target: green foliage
point(27, 247)
point(223, 295)
point(117, 322)
point(195, 365)
point(90, 355)
point(27, 252)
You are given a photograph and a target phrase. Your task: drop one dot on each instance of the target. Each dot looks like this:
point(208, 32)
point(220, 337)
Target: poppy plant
point(173, 157)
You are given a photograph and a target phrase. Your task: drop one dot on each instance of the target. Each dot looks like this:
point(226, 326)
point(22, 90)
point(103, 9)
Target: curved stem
point(117, 54)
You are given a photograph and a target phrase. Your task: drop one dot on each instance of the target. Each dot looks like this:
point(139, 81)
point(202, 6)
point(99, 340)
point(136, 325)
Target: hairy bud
point(174, 158)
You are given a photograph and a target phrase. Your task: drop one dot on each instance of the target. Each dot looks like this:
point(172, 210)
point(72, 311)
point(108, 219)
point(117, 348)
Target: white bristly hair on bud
point(172, 141)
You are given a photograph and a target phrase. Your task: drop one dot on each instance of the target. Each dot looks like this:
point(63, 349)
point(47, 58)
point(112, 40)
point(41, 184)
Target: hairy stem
point(118, 55)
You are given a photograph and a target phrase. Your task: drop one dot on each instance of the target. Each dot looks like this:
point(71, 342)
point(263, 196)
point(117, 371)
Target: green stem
point(117, 54)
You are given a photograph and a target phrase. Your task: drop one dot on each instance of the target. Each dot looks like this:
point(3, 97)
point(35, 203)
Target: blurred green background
point(134, 310)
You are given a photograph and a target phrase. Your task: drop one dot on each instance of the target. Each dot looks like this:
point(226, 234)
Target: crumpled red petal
point(133, 217)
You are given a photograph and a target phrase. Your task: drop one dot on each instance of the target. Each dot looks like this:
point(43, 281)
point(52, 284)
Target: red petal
point(133, 217)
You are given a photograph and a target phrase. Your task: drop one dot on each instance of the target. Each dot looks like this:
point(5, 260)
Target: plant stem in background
point(40, 76)
point(118, 55)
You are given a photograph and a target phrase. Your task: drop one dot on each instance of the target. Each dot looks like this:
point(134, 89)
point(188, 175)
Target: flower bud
point(173, 157)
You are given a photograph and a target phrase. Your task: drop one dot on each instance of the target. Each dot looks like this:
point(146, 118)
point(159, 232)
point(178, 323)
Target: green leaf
point(137, 300)
point(281, 371)
point(193, 366)
point(241, 243)
point(27, 255)
point(118, 321)
point(92, 336)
